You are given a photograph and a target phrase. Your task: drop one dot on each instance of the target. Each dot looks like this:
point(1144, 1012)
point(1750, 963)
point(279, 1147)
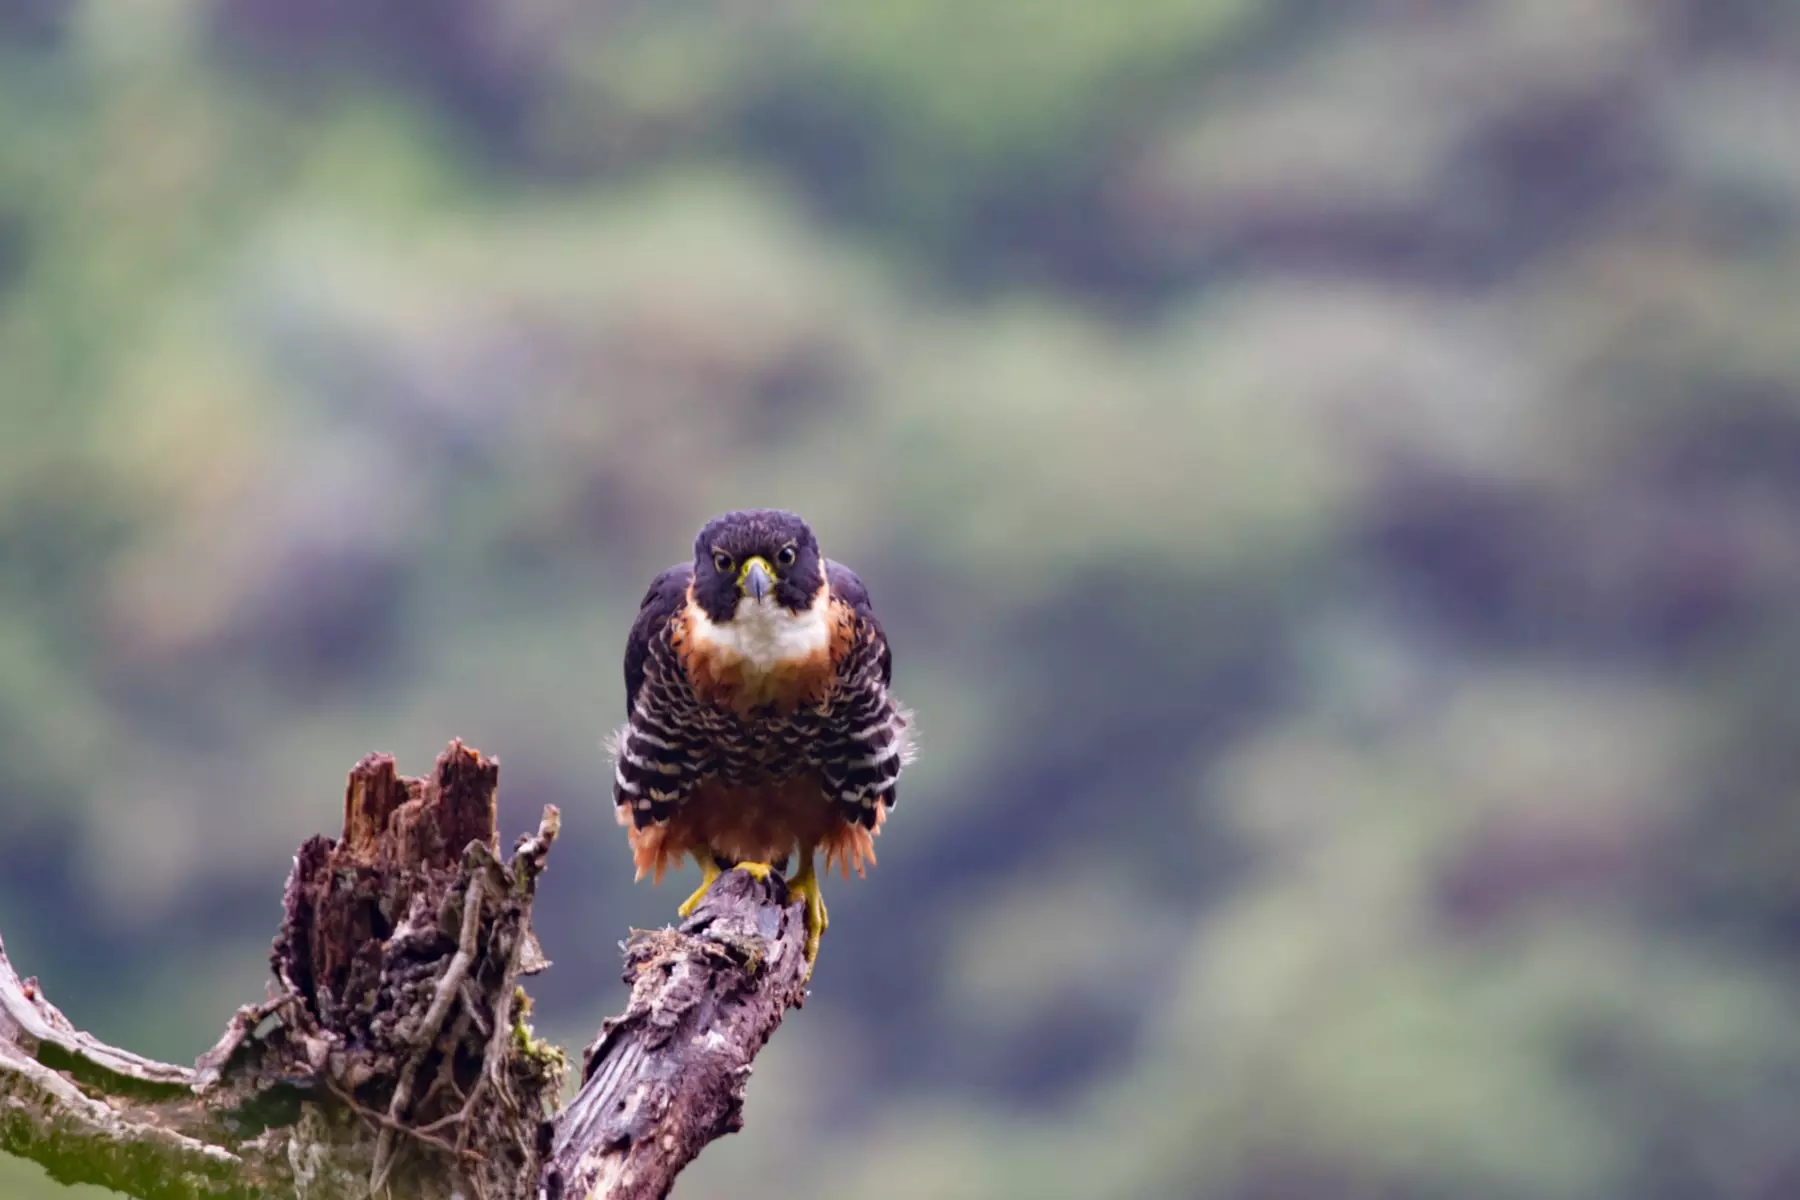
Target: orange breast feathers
point(766, 655)
point(759, 823)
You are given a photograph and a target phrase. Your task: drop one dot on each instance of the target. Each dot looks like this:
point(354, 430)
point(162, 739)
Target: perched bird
point(760, 723)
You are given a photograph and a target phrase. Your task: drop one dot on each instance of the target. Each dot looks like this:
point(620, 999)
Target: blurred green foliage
point(1331, 474)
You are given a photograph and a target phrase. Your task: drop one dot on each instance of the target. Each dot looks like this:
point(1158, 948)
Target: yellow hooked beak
point(756, 578)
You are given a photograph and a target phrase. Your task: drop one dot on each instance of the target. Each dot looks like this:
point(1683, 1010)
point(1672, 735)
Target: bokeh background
point(1330, 473)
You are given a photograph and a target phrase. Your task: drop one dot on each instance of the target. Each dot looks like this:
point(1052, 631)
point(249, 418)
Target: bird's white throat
point(766, 635)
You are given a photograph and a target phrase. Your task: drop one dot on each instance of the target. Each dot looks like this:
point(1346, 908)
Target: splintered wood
point(391, 1057)
point(402, 944)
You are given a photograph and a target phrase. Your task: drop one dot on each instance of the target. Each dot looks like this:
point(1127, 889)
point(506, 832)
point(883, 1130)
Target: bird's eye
point(722, 562)
point(784, 557)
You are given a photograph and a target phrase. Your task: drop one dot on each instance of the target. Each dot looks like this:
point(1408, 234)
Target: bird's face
point(756, 561)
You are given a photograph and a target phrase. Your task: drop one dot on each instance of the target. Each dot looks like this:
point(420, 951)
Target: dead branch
point(392, 1057)
point(668, 1075)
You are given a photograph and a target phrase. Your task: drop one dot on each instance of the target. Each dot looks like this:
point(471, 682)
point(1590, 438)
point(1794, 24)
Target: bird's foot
point(709, 875)
point(805, 886)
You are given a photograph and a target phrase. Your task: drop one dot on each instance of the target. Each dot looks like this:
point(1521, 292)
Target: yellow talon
point(755, 870)
point(709, 875)
point(805, 885)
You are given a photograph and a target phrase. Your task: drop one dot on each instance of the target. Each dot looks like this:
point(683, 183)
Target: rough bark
point(392, 1056)
point(667, 1076)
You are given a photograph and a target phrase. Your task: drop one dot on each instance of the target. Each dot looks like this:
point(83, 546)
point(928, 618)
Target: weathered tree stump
point(392, 1057)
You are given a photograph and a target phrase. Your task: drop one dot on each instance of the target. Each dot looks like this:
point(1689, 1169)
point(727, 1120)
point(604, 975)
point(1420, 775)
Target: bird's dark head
point(761, 555)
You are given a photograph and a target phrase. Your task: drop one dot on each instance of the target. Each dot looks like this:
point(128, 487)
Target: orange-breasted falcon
point(760, 726)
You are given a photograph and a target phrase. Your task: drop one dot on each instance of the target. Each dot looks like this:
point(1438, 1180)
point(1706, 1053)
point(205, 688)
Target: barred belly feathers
point(760, 724)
